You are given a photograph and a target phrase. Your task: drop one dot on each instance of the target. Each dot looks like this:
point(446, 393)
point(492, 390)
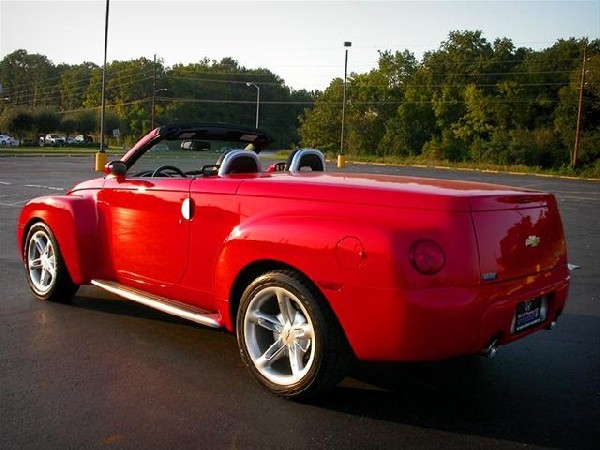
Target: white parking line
point(45, 187)
point(20, 202)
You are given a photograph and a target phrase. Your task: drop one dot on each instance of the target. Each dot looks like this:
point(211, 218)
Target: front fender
point(74, 222)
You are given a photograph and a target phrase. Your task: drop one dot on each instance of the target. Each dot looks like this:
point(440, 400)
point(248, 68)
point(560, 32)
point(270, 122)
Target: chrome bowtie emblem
point(532, 241)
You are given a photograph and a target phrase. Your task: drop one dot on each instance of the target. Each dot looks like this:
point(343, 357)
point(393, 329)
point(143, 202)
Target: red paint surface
point(349, 234)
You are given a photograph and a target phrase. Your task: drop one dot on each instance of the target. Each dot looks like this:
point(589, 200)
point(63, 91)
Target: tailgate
point(518, 235)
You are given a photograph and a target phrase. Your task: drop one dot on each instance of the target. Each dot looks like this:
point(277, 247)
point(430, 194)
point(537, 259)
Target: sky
point(300, 41)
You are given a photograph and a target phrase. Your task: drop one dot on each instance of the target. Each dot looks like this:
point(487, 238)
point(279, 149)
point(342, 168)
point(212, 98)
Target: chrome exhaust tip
point(551, 325)
point(491, 350)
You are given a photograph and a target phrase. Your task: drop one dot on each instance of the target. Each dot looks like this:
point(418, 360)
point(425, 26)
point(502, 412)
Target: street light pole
point(341, 157)
point(101, 155)
point(257, 99)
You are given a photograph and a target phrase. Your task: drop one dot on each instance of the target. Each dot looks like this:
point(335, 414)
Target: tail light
point(427, 257)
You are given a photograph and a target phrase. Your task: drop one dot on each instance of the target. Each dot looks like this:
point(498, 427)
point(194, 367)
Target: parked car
point(84, 139)
point(6, 141)
point(309, 269)
point(52, 140)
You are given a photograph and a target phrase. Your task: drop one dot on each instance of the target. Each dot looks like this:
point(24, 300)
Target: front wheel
point(46, 271)
point(289, 338)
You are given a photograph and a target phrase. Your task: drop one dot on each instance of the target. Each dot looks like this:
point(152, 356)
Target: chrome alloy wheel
point(279, 336)
point(41, 261)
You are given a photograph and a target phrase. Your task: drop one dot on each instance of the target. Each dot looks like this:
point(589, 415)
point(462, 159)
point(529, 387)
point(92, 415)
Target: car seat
point(239, 161)
point(306, 158)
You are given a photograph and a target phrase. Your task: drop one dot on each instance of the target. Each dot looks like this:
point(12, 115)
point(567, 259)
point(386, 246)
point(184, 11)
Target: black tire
point(289, 338)
point(46, 272)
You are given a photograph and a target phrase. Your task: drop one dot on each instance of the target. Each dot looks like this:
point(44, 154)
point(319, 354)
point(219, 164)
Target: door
point(146, 224)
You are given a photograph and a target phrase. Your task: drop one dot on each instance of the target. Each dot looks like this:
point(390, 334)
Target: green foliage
point(27, 79)
point(141, 90)
point(16, 122)
point(46, 120)
point(85, 121)
point(470, 101)
point(320, 127)
point(68, 125)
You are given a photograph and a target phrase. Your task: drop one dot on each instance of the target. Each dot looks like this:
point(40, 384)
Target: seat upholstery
point(239, 161)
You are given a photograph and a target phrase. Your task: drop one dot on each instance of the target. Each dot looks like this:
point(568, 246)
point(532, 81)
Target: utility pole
point(257, 100)
point(579, 110)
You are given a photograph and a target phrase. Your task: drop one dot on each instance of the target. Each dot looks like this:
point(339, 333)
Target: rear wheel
point(288, 336)
point(46, 272)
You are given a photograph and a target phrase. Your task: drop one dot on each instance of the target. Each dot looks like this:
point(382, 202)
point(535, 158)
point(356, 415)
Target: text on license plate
point(530, 313)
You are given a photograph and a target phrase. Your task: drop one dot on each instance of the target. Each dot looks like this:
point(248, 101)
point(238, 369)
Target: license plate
point(529, 313)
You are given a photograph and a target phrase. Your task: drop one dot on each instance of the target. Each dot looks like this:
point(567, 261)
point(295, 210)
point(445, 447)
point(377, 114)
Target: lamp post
point(257, 99)
point(153, 115)
point(101, 155)
point(341, 157)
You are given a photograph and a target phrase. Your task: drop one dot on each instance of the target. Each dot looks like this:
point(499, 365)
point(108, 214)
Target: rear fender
point(330, 252)
point(74, 222)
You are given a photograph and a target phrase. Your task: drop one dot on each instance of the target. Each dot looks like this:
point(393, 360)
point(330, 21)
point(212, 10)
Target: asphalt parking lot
point(106, 373)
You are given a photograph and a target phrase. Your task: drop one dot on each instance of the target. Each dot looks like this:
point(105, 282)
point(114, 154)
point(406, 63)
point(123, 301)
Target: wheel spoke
point(304, 331)
point(303, 344)
point(296, 357)
point(51, 268)
point(267, 321)
point(285, 306)
point(40, 245)
point(35, 264)
point(50, 251)
point(273, 353)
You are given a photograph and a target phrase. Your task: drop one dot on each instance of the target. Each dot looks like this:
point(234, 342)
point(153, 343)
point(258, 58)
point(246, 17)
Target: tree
point(365, 116)
point(27, 79)
point(68, 126)
point(565, 115)
point(74, 83)
point(46, 121)
point(475, 125)
point(320, 127)
point(85, 121)
point(17, 122)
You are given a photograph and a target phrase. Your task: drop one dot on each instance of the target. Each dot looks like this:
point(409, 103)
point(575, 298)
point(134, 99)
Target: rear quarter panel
point(357, 256)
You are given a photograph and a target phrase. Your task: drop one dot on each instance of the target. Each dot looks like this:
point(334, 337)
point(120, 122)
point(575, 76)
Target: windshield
point(190, 156)
point(188, 148)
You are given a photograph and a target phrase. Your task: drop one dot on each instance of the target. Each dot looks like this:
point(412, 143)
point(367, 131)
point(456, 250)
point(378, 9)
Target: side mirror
point(115, 168)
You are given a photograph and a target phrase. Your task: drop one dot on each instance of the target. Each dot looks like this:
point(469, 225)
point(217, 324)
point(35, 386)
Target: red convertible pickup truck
point(310, 268)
